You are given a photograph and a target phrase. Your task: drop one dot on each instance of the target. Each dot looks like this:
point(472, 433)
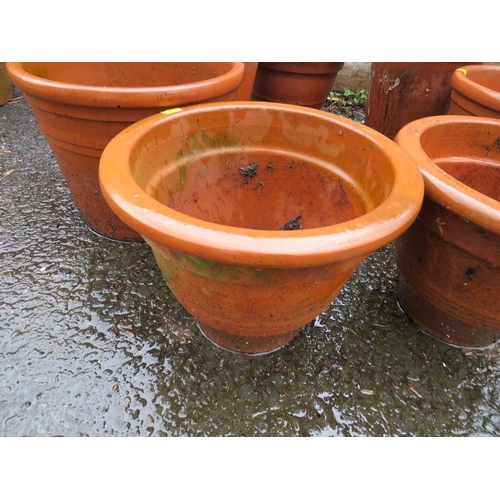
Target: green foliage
point(348, 97)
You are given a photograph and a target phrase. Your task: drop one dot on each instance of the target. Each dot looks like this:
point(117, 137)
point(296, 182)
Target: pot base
point(123, 239)
point(246, 345)
point(438, 323)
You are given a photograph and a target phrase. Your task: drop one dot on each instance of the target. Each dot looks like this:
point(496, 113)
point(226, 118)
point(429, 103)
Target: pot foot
point(122, 237)
point(246, 345)
point(440, 324)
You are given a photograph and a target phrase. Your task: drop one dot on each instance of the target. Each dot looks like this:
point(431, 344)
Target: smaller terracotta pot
point(476, 91)
point(5, 84)
point(244, 92)
point(301, 83)
point(400, 92)
point(81, 106)
point(257, 213)
point(449, 260)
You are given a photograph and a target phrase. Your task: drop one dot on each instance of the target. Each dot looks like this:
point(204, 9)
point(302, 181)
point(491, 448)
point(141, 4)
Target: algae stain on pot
point(223, 273)
point(201, 140)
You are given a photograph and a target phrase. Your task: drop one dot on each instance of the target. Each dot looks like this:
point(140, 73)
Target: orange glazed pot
point(449, 260)
point(257, 213)
point(301, 83)
point(476, 91)
point(81, 106)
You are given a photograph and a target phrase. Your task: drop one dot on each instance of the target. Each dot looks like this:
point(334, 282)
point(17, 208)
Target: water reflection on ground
point(92, 342)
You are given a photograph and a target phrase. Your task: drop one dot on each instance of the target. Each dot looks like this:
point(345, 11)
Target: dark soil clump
point(292, 225)
point(250, 170)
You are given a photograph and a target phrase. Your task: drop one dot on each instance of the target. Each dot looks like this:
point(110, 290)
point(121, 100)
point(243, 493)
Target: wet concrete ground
point(92, 342)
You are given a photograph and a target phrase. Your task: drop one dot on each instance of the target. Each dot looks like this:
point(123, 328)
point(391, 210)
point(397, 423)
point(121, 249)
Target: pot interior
point(486, 76)
point(125, 75)
point(263, 190)
point(469, 152)
point(478, 175)
point(264, 169)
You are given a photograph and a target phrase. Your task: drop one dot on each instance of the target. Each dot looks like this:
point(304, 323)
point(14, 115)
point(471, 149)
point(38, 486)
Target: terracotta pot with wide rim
point(301, 83)
point(400, 92)
point(449, 260)
point(81, 106)
point(257, 213)
point(476, 91)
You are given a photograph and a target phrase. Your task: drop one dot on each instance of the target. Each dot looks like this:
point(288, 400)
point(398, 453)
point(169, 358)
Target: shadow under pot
point(80, 107)
point(258, 213)
point(449, 259)
point(476, 91)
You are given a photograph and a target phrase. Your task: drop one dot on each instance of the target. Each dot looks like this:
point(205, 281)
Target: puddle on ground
point(92, 343)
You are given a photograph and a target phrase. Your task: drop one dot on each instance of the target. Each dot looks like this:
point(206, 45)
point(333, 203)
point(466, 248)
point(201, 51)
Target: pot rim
point(128, 97)
point(440, 186)
point(305, 68)
point(462, 81)
point(253, 247)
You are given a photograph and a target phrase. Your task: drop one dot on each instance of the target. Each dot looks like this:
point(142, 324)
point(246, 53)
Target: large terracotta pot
point(301, 83)
point(449, 260)
point(257, 213)
point(476, 91)
point(400, 92)
point(81, 106)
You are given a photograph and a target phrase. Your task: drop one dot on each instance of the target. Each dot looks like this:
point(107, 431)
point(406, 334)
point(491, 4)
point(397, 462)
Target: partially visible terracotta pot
point(81, 106)
point(400, 92)
point(449, 260)
point(301, 83)
point(5, 84)
point(476, 91)
point(244, 92)
point(257, 213)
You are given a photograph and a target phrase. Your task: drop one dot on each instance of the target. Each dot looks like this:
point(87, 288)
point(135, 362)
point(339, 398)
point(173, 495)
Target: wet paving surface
point(92, 342)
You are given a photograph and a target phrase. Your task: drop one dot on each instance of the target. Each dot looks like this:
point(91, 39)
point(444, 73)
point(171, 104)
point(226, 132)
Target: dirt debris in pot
point(292, 224)
point(249, 171)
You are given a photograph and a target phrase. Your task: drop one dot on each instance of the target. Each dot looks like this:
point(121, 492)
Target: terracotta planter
point(400, 92)
point(5, 84)
point(257, 213)
point(302, 83)
point(476, 91)
point(81, 106)
point(449, 260)
point(244, 92)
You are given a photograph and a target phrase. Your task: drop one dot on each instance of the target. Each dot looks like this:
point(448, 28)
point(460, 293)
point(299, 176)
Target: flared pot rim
point(442, 187)
point(126, 97)
point(463, 82)
point(253, 247)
